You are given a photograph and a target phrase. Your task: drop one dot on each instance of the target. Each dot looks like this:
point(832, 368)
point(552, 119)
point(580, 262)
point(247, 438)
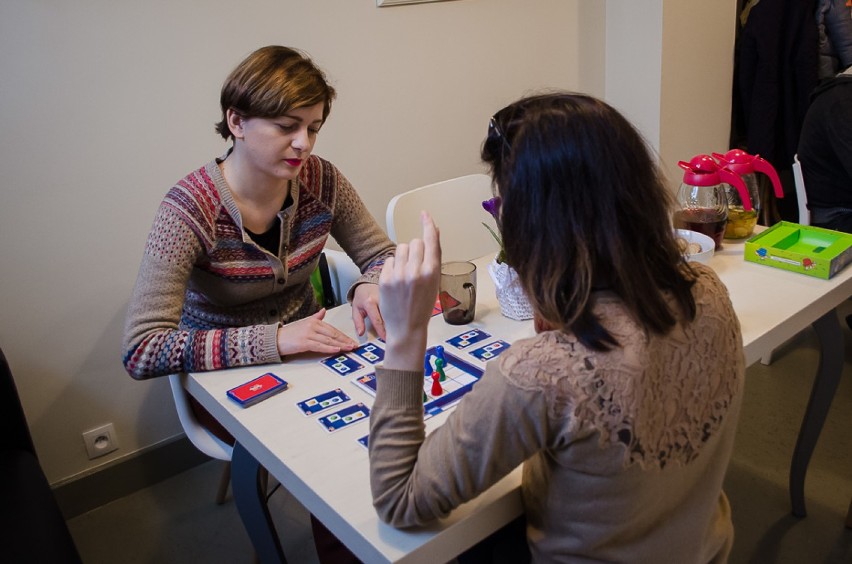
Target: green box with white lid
point(805, 249)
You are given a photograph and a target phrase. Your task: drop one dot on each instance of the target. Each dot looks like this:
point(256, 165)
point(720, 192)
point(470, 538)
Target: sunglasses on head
point(494, 126)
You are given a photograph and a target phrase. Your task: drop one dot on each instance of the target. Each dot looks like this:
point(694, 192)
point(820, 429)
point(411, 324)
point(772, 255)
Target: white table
point(328, 473)
point(773, 305)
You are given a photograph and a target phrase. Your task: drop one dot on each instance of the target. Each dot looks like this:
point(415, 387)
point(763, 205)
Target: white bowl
point(707, 244)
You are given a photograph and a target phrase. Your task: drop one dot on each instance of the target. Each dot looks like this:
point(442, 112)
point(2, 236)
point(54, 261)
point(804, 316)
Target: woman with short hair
point(225, 276)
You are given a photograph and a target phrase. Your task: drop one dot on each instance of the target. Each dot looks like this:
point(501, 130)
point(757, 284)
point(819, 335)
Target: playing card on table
point(468, 338)
point(345, 417)
point(342, 364)
point(491, 350)
point(370, 352)
point(436, 309)
point(367, 381)
point(322, 401)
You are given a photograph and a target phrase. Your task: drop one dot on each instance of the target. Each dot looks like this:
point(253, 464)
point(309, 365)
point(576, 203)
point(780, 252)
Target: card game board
point(460, 376)
point(450, 370)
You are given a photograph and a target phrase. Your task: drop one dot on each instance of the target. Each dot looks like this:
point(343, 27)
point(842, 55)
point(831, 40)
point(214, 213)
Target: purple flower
point(492, 206)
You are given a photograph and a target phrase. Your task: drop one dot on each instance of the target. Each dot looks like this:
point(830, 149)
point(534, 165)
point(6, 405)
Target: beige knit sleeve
point(414, 480)
point(153, 343)
point(358, 233)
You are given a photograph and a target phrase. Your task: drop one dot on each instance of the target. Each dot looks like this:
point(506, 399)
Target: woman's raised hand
point(408, 287)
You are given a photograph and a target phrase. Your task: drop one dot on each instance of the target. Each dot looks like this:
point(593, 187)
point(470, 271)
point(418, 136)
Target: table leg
point(250, 498)
point(822, 393)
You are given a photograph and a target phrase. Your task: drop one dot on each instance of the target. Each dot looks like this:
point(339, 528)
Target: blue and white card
point(468, 338)
point(322, 401)
point(342, 364)
point(368, 382)
point(345, 417)
point(489, 351)
point(370, 353)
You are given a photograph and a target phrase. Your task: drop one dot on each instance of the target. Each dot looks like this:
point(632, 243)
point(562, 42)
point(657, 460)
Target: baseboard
point(130, 475)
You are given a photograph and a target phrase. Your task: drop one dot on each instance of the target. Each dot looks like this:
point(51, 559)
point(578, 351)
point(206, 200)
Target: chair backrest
point(342, 273)
point(198, 435)
point(456, 206)
point(801, 195)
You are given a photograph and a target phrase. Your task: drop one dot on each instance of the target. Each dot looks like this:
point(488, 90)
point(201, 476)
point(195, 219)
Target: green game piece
point(425, 397)
point(439, 364)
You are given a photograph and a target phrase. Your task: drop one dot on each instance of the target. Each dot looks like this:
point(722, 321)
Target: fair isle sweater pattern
point(313, 218)
point(195, 231)
point(195, 198)
point(195, 203)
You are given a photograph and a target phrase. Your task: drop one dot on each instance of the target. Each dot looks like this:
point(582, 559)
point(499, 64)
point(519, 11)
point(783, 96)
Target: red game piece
point(437, 390)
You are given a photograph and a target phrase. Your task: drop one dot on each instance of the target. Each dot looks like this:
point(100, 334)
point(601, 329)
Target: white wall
point(696, 80)
point(634, 43)
point(669, 68)
point(105, 104)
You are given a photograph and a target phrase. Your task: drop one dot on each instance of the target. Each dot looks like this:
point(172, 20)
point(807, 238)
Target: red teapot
point(741, 222)
point(703, 199)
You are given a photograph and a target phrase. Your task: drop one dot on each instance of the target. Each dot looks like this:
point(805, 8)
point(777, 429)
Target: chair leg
point(224, 482)
point(849, 516)
point(264, 486)
point(264, 480)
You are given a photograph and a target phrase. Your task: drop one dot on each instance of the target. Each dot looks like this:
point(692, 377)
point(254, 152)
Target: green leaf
point(501, 256)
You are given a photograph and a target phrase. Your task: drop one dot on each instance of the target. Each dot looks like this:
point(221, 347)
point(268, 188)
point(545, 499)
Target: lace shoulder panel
point(661, 397)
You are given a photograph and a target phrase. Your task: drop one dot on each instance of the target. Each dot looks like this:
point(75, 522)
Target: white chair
point(199, 436)
point(342, 273)
point(804, 219)
point(456, 206)
point(801, 195)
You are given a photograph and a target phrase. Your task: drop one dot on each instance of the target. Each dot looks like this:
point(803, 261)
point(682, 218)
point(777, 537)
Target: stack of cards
point(257, 390)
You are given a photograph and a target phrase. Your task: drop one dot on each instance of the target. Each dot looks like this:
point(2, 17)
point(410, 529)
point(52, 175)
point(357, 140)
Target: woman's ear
point(236, 123)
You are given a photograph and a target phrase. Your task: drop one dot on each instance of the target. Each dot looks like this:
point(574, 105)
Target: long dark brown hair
point(585, 208)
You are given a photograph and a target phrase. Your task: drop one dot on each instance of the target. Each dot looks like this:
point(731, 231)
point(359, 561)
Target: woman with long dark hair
point(623, 407)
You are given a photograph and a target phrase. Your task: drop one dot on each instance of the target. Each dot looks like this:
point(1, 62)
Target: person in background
point(623, 407)
point(825, 152)
point(834, 26)
point(225, 275)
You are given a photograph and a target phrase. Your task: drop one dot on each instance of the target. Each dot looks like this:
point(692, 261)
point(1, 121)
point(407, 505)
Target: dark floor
point(177, 521)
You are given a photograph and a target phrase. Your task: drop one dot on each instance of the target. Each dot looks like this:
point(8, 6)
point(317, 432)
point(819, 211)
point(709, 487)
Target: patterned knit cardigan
point(208, 297)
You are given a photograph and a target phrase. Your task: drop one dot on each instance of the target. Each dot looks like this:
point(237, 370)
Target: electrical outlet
point(100, 441)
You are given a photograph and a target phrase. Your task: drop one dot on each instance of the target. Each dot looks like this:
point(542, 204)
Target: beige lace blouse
point(624, 452)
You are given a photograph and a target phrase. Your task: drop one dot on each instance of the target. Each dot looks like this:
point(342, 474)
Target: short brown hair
point(585, 208)
point(272, 81)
